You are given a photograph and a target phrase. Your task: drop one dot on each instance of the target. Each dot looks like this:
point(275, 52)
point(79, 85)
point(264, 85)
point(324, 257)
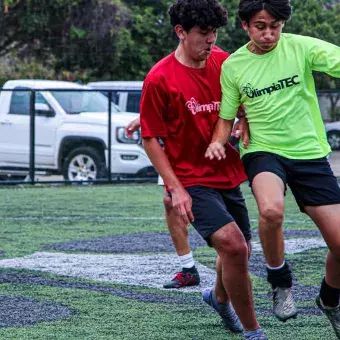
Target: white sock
point(187, 261)
point(326, 307)
point(276, 268)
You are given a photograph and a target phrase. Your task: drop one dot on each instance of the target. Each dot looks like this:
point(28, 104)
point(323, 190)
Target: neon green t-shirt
point(278, 92)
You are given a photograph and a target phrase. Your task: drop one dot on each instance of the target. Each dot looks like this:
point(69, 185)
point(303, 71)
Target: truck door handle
point(6, 122)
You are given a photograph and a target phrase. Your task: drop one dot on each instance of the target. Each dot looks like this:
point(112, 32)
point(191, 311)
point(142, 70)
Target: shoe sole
point(293, 316)
point(179, 287)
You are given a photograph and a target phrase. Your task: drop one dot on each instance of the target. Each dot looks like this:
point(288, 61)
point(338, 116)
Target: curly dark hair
point(279, 9)
point(201, 13)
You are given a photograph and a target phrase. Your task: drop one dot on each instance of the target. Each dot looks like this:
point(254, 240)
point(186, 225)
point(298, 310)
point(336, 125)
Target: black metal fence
point(12, 174)
point(31, 174)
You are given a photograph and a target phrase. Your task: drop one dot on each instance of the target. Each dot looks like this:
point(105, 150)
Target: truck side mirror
point(42, 109)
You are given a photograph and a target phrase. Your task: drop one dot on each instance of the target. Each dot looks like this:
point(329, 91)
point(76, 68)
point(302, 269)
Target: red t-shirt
point(181, 105)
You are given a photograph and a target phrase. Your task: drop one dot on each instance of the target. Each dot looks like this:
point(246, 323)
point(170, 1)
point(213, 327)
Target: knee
point(234, 250)
point(272, 214)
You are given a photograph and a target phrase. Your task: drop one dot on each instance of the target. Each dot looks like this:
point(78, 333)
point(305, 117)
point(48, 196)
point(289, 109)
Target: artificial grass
point(35, 216)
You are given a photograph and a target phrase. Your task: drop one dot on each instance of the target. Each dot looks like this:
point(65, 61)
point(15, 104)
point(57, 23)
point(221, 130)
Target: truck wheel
point(84, 164)
point(333, 138)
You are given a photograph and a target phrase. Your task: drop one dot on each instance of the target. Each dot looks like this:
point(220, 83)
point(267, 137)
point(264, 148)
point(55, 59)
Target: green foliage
point(231, 37)
point(122, 39)
point(312, 18)
point(77, 33)
point(150, 38)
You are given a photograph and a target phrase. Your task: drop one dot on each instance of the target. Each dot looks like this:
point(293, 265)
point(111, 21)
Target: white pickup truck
point(71, 133)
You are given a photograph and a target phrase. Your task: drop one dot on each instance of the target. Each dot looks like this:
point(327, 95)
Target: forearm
point(241, 112)
point(160, 162)
point(222, 131)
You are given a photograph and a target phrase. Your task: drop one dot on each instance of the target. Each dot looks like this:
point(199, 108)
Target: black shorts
point(312, 181)
point(214, 208)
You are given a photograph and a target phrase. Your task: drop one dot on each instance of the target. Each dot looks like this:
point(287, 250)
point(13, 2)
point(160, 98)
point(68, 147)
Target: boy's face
point(264, 31)
point(198, 42)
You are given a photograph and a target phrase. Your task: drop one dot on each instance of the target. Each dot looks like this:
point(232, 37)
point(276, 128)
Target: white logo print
point(195, 107)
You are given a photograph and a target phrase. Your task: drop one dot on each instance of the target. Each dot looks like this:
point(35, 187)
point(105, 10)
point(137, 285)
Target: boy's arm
point(220, 136)
point(153, 108)
point(133, 126)
point(241, 127)
point(323, 56)
point(230, 104)
point(181, 200)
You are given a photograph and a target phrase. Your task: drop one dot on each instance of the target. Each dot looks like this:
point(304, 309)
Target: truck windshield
point(76, 102)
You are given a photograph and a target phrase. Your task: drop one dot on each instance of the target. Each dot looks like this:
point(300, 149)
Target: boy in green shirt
point(272, 77)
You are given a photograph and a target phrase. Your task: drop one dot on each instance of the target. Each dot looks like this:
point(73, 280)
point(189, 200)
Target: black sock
point(280, 277)
point(189, 270)
point(329, 295)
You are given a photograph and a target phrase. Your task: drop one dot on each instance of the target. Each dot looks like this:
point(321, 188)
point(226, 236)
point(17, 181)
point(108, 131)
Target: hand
point(241, 130)
point(182, 203)
point(132, 127)
point(215, 150)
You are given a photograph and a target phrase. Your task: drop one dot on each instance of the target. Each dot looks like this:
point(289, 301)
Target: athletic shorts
point(214, 208)
point(312, 181)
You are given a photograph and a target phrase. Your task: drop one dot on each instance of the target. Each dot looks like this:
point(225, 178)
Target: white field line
point(112, 218)
point(142, 270)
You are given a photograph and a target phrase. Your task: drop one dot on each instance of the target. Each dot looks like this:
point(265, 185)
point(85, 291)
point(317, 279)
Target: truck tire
point(333, 138)
point(12, 177)
point(84, 164)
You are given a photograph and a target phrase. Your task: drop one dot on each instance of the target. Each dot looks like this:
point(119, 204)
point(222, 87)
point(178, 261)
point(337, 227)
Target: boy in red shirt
point(180, 104)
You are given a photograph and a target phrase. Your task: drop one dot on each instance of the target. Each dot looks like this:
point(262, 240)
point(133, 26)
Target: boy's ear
point(245, 25)
point(181, 33)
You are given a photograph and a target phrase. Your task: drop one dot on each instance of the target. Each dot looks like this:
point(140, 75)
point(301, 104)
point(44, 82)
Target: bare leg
point(221, 294)
point(189, 275)
point(178, 230)
point(233, 251)
point(268, 190)
point(327, 218)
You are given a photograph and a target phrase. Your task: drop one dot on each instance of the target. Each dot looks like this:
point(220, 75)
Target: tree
point(79, 35)
point(122, 39)
point(149, 37)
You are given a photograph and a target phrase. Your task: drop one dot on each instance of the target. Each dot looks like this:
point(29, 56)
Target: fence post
point(32, 137)
point(109, 135)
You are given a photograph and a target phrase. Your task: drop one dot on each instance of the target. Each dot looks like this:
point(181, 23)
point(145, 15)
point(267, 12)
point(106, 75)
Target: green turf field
point(57, 245)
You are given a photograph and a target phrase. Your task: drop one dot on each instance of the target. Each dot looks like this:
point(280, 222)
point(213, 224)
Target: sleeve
point(230, 93)
point(323, 56)
point(152, 108)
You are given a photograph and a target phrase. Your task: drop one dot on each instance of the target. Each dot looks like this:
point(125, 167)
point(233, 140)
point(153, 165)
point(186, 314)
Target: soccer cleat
point(283, 304)
point(256, 337)
point(184, 279)
point(333, 314)
point(225, 310)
